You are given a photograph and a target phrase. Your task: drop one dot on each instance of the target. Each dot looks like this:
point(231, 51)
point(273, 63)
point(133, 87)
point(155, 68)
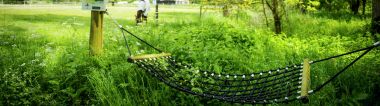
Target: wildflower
point(37, 54)
point(35, 60)
point(23, 64)
point(49, 49)
point(42, 64)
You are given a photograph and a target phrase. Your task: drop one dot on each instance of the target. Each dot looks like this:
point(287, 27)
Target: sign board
point(94, 5)
point(154, 2)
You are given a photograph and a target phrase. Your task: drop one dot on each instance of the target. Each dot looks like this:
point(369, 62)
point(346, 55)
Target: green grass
point(45, 60)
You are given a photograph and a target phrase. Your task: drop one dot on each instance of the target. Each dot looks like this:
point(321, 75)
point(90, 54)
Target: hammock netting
point(271, 86)
point(278, 85)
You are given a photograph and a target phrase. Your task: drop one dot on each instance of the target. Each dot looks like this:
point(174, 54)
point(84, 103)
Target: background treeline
point(46, 1)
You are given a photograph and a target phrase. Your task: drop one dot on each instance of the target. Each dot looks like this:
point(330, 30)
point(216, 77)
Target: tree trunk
point(363, 7)
point(354, 6)
point(375, 18)
point(226, 11)
point(276, 17)
point(277, 23)
point(265, 14)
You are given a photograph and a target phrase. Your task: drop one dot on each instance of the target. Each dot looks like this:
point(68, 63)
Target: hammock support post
point(305, 86)
point(96, 33)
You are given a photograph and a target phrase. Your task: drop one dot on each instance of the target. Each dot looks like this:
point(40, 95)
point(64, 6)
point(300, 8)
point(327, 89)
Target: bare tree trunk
point(265, 14)
point(277, 23)
point(226, 10)
point(354, 6)
point(276, 17)
point(363, 6)
point(375, 18)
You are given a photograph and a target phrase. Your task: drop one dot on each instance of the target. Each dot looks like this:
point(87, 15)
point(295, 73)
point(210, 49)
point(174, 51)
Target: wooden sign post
point(98, 8)
point(96, 33)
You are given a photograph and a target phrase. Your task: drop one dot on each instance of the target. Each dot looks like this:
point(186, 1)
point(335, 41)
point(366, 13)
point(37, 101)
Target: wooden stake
point(96, 33)
point(305, 87)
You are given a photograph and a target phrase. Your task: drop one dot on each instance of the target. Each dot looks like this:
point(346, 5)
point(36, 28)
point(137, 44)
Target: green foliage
point(44, 57)
point(309, 5)
point(229, 6)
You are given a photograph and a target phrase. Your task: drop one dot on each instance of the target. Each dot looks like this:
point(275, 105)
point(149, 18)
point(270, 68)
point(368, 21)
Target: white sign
point(94, 5)
point(154, 2)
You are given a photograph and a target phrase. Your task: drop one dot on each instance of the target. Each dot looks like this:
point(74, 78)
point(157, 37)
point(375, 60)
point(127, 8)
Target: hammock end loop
point(130, 60)
point(304, 99)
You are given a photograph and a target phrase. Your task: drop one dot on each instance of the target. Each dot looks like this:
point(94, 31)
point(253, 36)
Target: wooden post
point(96, 33)
point(305, 87)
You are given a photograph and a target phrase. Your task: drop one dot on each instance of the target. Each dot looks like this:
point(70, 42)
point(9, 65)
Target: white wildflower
point(23, 64)
point(37, 54)
point(43, 64)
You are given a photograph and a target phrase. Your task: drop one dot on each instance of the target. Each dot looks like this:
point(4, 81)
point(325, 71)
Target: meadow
point(44, 54)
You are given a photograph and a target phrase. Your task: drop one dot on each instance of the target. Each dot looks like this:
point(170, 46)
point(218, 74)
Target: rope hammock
point(279, 85)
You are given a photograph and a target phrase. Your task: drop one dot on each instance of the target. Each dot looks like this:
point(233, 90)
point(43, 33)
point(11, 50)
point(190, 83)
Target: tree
point(364, 6)
point(337, 5)
point(265, 14)
point(333, 5)
point(375, 18)
point(354, 6)
point(274, 7)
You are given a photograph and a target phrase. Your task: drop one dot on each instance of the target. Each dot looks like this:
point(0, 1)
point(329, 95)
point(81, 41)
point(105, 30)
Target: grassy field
point(44, 56)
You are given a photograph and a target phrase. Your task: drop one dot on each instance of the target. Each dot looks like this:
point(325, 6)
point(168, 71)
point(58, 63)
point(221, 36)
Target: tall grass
point(44, 56)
